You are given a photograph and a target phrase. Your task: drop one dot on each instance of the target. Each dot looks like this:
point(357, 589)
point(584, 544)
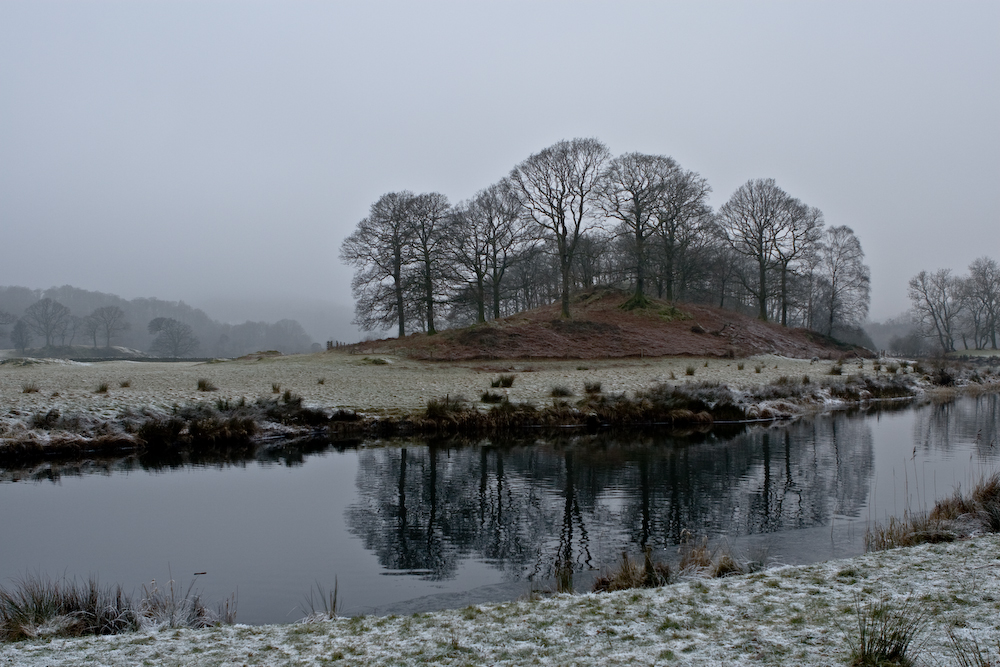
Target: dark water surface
point(421, 525)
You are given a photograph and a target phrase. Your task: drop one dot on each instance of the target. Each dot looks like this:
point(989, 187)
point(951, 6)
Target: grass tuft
point(102, 388)
point(689, 370)
point(206, 385)
point(968, 652)
point(592, 387)
point(41, 607)
point(125, 384)
point(491, 397)
point(504, 381)
point(29, 388)
point(275, 388)
point(886, 631)
point(560, 392)
point(328, 607)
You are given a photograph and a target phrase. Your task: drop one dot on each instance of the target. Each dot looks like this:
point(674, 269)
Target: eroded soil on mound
point(601, 328)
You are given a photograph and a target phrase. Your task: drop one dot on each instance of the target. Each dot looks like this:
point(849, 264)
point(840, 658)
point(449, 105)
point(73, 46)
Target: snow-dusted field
point(785, 616)
point(353, 381)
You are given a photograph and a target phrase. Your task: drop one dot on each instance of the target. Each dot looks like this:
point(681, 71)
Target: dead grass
point(982, 503)
point(633, 574)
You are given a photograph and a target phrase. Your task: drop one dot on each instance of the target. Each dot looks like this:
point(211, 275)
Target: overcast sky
point(213, 150)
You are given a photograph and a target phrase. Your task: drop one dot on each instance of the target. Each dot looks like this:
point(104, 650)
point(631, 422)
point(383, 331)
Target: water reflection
point(943, 426)
point(455, 517)
point(526, 507)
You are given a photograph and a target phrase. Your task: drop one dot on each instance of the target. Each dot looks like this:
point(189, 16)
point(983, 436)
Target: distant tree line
point(41, 319)
point(948, 309)
point(573, 216)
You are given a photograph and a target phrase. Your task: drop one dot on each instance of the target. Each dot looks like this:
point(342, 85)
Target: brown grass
point(633, 574)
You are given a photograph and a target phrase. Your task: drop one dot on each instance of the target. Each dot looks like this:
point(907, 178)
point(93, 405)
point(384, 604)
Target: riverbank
point(71, 408)
point(805, 615)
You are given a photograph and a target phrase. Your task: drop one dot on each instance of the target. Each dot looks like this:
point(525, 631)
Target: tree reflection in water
point(529, 507)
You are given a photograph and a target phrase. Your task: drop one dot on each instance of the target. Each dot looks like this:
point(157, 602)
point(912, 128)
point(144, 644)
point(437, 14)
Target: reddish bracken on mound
point(601, 328)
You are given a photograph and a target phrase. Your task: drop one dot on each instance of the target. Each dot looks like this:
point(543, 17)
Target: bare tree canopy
point(982, 294)
point(380, 249)
point(798, 241)
point(47, 318)
point(558, 188)
point(572, 216)
point(173, 338)
point(489, 234)
point(683, 221)
point(847, 278)
point(429, 217)
point(109, 321)
point(630, 191)
point(752, 222)
point(937, 302)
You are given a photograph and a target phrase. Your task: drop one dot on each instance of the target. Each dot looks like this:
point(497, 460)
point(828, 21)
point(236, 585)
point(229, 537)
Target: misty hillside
point(214, 338)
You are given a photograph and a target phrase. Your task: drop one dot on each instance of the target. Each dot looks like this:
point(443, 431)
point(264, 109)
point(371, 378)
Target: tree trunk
point(762, 293)
point(429, 291)
point(784, 295)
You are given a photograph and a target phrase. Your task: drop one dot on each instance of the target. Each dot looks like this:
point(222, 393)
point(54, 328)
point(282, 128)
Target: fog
point(219, 152)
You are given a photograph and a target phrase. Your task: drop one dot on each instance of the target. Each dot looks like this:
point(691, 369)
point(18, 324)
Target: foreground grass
point(791, 615)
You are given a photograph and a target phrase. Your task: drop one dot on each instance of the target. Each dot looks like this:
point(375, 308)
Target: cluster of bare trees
point(572, 216)
point(949, 307)
point(54, 324)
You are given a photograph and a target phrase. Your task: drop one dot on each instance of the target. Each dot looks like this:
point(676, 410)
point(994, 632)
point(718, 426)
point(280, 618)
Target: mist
point(218, 153)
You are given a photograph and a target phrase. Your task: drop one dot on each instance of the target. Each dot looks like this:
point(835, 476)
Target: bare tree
point(20, 336)
point(429, 215)
point(5, 319)
point(683, 218)
point(47, 318)
point(381, 250)
point(173, 338)
point(798, 239)
point(558, 188)
point(847, 278)
point(74, 326)
point(937, 302)
point(489, 232)
point(110, 322)
point(91, 329)
point(752, 222)
point(983, 295)
point(630, 190)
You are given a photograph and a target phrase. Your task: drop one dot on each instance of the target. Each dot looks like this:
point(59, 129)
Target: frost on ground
point(802, 615)
point(37, 397)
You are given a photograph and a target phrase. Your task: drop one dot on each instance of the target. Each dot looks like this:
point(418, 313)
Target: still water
point(420, 525)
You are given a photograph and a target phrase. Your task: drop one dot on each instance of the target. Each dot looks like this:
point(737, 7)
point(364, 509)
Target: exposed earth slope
point(602, 328)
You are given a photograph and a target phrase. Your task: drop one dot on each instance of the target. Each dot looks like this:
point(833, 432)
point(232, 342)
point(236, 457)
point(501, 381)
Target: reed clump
point(36, 606)
point(630, 573)
point(981, 506)
point(886, 630)
point(492, 397)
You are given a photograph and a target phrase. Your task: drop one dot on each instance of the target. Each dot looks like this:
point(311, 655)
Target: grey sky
point(207, 150)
